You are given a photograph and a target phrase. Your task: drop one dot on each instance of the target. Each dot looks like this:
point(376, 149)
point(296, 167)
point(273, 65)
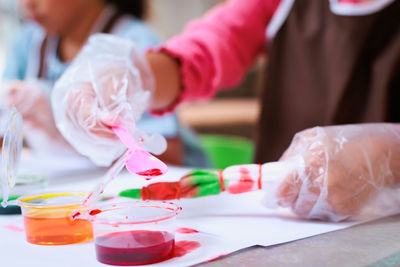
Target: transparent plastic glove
point(340, 172)
point(31, 98)
point(109, 83)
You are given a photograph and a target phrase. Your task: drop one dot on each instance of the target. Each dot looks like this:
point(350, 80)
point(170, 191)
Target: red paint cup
point(134, 233)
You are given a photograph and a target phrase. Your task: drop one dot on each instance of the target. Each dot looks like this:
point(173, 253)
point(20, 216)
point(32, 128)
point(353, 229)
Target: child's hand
point(31, 101)
point(108, 83)
point(343, 172)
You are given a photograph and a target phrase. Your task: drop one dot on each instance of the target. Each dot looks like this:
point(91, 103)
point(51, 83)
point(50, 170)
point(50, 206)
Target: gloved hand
point(31, 98)
point(341, 172)
point(109, 83)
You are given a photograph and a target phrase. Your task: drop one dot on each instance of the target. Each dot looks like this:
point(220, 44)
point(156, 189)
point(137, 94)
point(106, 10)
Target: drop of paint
point(94, 212)
point(151, 172)
point(76, 214)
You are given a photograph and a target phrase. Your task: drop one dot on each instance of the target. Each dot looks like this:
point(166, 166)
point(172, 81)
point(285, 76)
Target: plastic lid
point(135, 212)
point(11, 153)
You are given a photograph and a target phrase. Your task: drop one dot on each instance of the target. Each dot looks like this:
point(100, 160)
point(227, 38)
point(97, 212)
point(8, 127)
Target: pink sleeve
point(216, 50)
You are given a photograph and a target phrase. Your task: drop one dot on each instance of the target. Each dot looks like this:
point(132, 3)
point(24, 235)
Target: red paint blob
point(134, 247)
point(76, 214)
point(168, 191)
point(245, 183)
point(151, 172)
point(94, 212)
point(184, 247)
point(161, 191)
point(184, 230)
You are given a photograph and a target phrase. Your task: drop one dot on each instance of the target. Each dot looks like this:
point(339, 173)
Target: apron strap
point(42, 62)
point(112, 21)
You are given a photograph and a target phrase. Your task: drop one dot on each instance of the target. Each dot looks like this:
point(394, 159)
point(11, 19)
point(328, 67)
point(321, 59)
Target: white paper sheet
point(226, 223)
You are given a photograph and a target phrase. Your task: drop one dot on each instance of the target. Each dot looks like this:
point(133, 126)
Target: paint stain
point(151, 172)
point(14, 228)
point(184, 247)
point(94, 212)
point(162, 190)
point(245, 183)
point(184, 230)
point(168, 191)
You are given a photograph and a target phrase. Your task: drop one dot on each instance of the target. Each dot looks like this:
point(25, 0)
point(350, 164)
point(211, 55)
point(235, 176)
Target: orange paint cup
point(47, 219)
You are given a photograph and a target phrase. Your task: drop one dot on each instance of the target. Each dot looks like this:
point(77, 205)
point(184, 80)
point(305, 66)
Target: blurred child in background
point(44, 50)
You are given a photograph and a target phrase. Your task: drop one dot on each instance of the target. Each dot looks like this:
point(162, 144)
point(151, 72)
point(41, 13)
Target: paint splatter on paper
point(184, 230)
point(14, 228)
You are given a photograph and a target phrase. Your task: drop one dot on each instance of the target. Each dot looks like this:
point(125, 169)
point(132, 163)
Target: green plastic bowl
point(226, 150)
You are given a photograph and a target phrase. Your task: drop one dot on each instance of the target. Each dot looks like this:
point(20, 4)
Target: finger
point(312, 181)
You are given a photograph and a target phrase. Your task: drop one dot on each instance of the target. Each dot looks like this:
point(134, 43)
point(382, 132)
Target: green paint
point(132, 193)
point(206, 182)
point(10, 198)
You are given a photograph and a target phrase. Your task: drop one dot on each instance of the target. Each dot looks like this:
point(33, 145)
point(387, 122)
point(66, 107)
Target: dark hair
point(136, 8)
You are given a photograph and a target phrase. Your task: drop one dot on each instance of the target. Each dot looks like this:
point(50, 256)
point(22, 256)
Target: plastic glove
point(341, 172)
point(109, 83)
point(31, 99)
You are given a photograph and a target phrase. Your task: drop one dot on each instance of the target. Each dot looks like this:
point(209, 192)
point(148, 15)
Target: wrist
point(166, 71)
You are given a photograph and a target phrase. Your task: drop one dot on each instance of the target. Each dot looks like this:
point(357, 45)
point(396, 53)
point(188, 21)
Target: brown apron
point(327, 69)
point(107, 28)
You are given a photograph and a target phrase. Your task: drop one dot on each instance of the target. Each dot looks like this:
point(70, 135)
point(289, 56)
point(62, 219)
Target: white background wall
point(169, 17)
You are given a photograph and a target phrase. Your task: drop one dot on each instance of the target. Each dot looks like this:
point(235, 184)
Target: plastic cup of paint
point(134, 233)
point(47, 218)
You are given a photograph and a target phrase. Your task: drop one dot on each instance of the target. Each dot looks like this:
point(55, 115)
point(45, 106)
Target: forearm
point(212, 53)
point(174, 153)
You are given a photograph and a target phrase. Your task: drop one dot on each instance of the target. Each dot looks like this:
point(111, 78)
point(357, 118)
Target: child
point(45, 48)
point(330, 62)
